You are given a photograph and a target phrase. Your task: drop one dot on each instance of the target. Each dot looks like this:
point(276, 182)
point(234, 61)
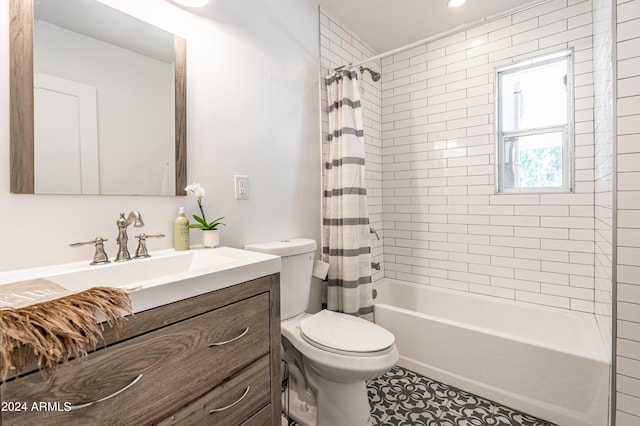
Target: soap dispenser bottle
point(181, 231)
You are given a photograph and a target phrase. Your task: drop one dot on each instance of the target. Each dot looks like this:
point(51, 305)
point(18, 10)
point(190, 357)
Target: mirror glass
point(108, 103)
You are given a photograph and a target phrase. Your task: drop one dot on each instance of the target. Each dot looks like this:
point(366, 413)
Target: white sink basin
point(165, 277)
point(137, 272)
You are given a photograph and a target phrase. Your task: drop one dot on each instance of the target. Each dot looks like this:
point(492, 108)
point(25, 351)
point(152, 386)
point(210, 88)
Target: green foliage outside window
point(541, 167)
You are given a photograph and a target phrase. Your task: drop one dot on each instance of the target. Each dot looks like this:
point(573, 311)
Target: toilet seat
point(345, 334)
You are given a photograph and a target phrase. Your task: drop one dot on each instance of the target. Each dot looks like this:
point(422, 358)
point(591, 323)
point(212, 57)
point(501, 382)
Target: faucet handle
point(99, 257)
point(141, 251)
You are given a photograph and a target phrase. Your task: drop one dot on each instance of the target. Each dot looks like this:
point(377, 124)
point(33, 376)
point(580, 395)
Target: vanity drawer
point(173, 366)
point(232, 402)
point(262, 417)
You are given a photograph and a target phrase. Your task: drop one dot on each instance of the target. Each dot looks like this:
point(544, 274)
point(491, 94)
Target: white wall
point(444, 224)
point(628, 214)
point(253, 108)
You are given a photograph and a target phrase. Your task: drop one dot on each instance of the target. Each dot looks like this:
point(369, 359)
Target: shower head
point(375, 76)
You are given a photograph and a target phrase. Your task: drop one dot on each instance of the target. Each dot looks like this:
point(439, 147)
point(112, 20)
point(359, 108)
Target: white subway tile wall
point(444, 224)
point(603, 167)
point(628, 174)
point(339, 46)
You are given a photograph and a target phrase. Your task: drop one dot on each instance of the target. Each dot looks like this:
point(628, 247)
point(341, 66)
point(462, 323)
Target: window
point(535, 125)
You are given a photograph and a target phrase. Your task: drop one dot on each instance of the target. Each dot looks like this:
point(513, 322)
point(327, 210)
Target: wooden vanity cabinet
point(213, 359)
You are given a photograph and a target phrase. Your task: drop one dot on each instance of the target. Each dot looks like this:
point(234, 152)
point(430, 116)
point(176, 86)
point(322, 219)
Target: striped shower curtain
point(345, 230)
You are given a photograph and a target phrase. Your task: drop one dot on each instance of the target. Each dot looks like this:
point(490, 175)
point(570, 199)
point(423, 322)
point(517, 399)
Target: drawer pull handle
point(217, 410)
point(87, 404)
point(246, 330)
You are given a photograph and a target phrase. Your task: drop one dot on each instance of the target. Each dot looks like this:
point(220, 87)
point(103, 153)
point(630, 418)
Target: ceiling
point(388, 24)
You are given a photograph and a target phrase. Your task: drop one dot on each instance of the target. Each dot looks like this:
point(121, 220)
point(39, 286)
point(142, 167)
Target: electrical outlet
point(241, 185)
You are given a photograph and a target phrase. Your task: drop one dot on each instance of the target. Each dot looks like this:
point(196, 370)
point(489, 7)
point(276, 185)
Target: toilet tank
point(297, 256)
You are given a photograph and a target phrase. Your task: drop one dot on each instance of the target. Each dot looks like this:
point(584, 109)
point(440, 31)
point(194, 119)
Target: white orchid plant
point(198, 192)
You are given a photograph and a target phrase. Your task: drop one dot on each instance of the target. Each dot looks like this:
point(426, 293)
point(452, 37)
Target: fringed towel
point(53, 325)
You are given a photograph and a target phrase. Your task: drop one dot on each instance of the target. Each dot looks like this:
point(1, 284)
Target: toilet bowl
point(329, 355)
point(335, 371)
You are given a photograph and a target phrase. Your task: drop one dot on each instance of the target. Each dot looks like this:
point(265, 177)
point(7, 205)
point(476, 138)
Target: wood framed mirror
point(123, 155)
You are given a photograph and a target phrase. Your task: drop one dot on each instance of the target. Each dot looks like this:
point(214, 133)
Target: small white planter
point(210, 238)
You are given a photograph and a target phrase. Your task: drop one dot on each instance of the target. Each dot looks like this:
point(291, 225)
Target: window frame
point(568, 140)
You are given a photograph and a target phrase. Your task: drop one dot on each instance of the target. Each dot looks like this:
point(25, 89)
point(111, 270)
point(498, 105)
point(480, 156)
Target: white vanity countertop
point(166, 277)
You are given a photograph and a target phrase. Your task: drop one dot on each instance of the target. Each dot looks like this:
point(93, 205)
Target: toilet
point(329, 355)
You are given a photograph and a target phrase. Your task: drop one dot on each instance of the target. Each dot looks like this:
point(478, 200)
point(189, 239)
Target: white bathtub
point(547, 362)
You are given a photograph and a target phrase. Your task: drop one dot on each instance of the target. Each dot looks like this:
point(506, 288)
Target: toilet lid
point(345, 333)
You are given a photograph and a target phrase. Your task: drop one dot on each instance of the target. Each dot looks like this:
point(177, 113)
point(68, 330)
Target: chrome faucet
point(100, 257)
point(134, 218)
point(373, 231)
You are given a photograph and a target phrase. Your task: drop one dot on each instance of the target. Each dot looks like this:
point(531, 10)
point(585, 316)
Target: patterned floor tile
point(401, 397)
point(506, 416)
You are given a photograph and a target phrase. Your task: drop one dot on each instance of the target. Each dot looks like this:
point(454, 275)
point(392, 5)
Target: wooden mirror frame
point(21, 102)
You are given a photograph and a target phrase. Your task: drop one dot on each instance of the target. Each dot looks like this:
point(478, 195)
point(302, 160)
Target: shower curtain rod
point(446, 33)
